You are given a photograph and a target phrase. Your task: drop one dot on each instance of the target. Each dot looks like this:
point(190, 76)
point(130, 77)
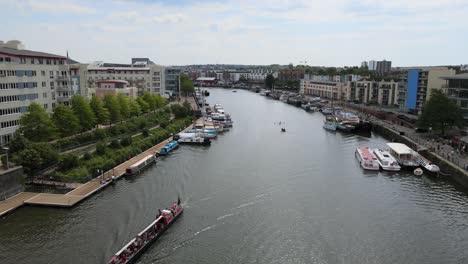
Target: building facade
point(324, 89)
point(172, 81)
point(457, 89)
point(416, 85)
point(384, 93)
point(30, 76)
point(141, 73)
point(372, 65)
point(114, 87)
point(383, 67)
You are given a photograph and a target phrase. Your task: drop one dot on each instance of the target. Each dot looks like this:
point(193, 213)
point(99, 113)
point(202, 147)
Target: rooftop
point(462, 76)
point(28, 53)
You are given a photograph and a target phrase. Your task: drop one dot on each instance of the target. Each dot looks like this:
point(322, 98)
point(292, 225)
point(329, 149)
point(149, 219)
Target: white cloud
point(59, 7)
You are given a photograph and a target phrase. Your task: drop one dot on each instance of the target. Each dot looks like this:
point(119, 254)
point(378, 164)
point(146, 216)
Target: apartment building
point(261, 74)
point(31, 76)
point(325, 89)
point(141, 73)
point(172, 80)
point(113, 87)
point(457, 89)
point(416, 85)
point(384, 93)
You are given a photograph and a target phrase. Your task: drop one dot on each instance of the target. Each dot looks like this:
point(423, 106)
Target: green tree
point(83, 112)
point(270, 81)
point(101, 113)
point(18, 143)
point(65, 120)
point(135, 109)
point(440, 113)
point(36, 124)
point(186, 85)
point(48, 154)
point(144, 106)
point(124, 106)
point(30, 160)
point(112, 104)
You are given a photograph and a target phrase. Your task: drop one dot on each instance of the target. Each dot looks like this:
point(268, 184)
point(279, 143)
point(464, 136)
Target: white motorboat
point(426, 164)
point(386, 161)
point(366, 159)
point(191, 138)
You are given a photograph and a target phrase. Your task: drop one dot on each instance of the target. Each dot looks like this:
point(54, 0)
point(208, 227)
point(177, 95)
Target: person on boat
point(178, 200)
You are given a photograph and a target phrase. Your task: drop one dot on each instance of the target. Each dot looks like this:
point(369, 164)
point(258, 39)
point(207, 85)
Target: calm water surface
point(257, 195)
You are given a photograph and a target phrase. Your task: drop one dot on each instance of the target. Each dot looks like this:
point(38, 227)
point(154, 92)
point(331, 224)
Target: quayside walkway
point(80, 193)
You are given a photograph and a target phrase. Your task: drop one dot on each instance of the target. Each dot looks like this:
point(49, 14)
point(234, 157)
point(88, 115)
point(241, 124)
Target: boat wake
point(206, 198)
point(224, 216)
point(204, 230)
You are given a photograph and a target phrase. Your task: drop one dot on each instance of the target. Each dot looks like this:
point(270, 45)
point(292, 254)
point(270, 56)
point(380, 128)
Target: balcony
point(62, 99)
point(62, 89)
point(61, 78)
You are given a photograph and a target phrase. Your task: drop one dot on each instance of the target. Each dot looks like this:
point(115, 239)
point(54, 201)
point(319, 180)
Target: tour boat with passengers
point(140, 165)
point(168, 148)
point(366, 158)
point(386, 161)
point(403, 154)
point(137, 246)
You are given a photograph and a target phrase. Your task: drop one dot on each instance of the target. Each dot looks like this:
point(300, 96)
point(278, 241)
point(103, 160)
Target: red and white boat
point(366, 158)
point(133, 249)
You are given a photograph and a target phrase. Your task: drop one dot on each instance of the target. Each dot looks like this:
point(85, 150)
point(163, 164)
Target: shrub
point(145, 132)
point(87, 156)
point(101, 148)
point(100, 134)
point(115, 144)
point(126, 141)
point(67, 162)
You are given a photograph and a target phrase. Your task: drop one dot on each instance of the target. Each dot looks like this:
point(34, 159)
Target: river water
point(257, 195)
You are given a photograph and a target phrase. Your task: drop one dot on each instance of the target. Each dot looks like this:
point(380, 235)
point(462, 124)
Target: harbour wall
point(11, 182)
point(448, 169)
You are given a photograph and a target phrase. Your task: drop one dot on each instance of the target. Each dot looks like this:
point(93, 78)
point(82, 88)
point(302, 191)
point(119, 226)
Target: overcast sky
point(321, 32)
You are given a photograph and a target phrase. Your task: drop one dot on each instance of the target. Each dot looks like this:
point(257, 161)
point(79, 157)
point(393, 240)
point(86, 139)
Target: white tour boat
point(366, 159)
point(403, 154)
point(386, 161)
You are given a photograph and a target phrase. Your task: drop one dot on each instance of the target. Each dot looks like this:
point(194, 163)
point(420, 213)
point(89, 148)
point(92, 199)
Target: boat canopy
point(138, 163)
point(400, 149)
point(186, 135)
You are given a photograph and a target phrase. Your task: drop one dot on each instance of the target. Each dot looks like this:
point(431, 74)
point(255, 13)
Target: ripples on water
point(257, 195)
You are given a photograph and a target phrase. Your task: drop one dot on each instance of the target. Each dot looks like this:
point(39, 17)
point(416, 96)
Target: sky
point(313, 32)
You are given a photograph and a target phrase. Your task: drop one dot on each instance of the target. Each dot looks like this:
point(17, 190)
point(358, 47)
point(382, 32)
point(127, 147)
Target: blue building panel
point(412, 92)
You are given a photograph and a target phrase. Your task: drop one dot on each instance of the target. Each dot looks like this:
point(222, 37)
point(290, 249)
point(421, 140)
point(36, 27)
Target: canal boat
point(168, 148)
point(191, 138)
point(329, 124)
point(138, 245)
point(386, 161)
point(403, 154)
point(366, 158)
point(204, 133)
point(140, 165)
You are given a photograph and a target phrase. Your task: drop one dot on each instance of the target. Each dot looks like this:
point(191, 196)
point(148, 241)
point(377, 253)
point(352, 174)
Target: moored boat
point(204, 133)
point(366, 158)
point(329, 123)
point(191, 138)
point(403, 154)
point(137, 246)
point(386, 161)
point(140, 165)
point(168, 148)
point(426, 164)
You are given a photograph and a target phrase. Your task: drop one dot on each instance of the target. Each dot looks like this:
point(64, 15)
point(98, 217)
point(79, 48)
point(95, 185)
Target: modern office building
point(31, 76)
point(141, 73)
point(172, 81)
point(456, 87)
point(416, 85)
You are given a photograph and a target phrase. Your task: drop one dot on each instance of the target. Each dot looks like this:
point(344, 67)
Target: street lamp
point(6, 150)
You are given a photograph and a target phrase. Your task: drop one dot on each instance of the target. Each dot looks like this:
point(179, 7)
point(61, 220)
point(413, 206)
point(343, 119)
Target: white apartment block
point(324, 89)
point(384, 93)
point(261, 74)
point(141, 73)
point(27, 76)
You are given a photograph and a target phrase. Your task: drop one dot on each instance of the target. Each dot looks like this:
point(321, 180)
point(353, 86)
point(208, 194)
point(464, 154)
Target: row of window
point(34, 61)
point(4, 73)
point(5, 86)
point(14, 110)
point(16, 98)
point(11, 123)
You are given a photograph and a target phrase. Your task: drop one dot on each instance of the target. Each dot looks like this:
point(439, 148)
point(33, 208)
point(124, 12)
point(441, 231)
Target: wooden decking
point(82, 192)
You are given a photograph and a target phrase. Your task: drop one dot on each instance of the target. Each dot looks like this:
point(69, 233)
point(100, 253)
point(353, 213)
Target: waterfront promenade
point(80, 193)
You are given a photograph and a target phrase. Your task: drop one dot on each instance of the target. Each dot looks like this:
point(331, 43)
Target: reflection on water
point(257, 195)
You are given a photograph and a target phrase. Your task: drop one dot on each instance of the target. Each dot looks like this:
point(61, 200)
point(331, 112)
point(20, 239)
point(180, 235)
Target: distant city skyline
point(323, 33)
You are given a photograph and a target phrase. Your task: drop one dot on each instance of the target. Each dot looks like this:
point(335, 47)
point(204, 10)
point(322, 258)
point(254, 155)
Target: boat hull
point(331, 127)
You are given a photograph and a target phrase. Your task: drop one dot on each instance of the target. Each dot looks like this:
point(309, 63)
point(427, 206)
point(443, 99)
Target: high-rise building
point(172, 81)
point(31, 76)
point(372, 65)
point(364, 64)
point(383, 67)
point(141, 73)
point(382, 92)
point(416, 85)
